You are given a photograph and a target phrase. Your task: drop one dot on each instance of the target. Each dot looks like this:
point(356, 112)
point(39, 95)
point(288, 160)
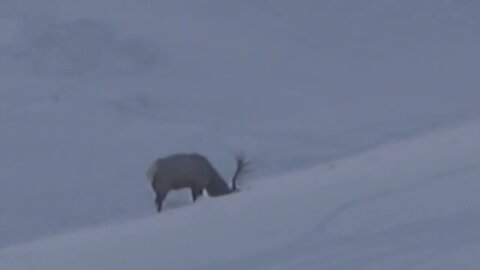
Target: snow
point(91, 92)
point(385, 209)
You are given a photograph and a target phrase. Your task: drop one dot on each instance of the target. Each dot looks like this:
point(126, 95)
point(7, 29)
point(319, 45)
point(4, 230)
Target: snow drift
point(91, 92)
point(407, 205)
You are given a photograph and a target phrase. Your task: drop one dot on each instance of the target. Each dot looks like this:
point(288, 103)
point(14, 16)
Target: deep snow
point(407, 205)
point(91, 92)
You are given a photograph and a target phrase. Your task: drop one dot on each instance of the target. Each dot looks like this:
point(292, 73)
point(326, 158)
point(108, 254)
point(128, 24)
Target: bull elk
point(192, 171)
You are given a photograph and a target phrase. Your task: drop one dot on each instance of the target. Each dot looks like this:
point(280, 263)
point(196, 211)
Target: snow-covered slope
point(91, 92)
point(407, 205)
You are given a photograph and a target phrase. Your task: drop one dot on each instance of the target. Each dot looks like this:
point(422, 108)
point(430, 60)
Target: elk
point(192, 171)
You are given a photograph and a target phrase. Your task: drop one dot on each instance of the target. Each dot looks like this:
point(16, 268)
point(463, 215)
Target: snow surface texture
point(91, 92)
point(407, 205)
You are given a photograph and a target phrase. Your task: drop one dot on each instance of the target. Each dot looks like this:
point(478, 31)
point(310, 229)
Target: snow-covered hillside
point(91, 92)
point(407, 205)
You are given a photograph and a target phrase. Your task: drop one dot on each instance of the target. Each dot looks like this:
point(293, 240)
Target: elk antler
point(241, 165)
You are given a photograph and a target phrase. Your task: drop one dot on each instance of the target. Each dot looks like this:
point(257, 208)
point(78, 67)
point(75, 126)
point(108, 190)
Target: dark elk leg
point(158, 202)
point(196, 192)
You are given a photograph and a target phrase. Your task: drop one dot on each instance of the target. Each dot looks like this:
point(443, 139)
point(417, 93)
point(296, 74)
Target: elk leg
point(196, 192)
point(158, 202)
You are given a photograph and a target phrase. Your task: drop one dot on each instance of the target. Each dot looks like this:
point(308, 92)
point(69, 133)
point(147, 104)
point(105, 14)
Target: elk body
point(191, 171)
